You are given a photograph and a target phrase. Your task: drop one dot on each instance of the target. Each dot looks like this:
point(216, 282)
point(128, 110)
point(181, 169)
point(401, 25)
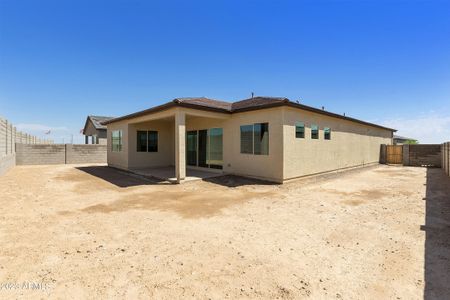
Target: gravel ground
point(94, 232)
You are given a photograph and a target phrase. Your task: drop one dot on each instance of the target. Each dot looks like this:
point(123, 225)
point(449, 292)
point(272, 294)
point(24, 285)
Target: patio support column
point(180, 145)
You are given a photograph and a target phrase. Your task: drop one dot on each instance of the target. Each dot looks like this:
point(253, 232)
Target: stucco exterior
point(351, 145)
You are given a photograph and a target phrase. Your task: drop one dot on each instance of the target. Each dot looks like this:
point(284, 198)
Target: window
point(299, 130)
point(147, 141)
point(261, 138)
point(314, 132)
point(255, 139)
point(327, 133)
point(116, 140)
point(153, 141)
point(247, 139)
point(141, 141)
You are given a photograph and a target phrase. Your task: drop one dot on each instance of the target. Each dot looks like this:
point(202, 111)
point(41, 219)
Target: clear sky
point(382, 61)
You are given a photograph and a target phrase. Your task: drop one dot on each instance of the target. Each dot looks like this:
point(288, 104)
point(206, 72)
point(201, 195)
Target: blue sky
point(381, 61)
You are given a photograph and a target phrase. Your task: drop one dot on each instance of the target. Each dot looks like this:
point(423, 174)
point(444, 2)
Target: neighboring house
point(95, 129)
point(262, 137)
point(400, 140)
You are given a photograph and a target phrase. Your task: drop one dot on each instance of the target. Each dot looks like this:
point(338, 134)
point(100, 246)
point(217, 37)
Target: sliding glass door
point(191, 148)
point(204, 148)
point(215, 157)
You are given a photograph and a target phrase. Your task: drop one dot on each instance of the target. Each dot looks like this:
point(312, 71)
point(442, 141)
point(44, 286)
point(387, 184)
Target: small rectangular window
point(116, 141)
point(247, 139)
point(314, 132)
point(327, 133)
point(141, 141)
point(300, 130)
point(153, 141)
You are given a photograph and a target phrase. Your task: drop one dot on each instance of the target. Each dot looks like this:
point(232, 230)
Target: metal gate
point(394, 154)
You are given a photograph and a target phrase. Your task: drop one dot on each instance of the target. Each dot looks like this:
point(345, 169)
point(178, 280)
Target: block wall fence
point(57, 154)
point(446, 158)
point(9, 137)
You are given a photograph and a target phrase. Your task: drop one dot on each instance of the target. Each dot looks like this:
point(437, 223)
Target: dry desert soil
point(92, 232)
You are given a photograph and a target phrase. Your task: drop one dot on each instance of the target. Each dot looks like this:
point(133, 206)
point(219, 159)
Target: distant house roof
point(254, 103)
point(398, 137)
point(97, 121)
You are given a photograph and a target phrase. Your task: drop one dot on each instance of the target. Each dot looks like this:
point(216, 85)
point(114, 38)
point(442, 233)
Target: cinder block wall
point(425, 155)
point(9, 137)
point(60, 154)
point(82, 154)
point(40, 154)
point(446, 157)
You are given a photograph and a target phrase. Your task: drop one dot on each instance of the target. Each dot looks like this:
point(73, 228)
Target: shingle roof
point(97, 121)
point(254, 103)
point(402, 137)
point(206, 102)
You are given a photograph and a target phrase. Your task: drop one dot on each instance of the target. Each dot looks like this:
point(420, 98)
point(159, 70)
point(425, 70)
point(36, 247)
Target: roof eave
point(173, 103)
point(324, 112)
point(284, 102)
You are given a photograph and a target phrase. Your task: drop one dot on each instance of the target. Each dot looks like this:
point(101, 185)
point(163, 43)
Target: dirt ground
point(94, 232)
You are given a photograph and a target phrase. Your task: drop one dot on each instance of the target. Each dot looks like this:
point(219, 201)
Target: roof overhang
point(285, 102)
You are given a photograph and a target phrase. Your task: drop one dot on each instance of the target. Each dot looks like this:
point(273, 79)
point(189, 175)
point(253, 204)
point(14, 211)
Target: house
point(262, 137)
point(400, 140)
point(94, 128)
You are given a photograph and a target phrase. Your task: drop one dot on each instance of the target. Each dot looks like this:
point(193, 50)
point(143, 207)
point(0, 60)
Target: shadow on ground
point(118, 177)
point(437, 232)
point(236, 181)
point(125, 179)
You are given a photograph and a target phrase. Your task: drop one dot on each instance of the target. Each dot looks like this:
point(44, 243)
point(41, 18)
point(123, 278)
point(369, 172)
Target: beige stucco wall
point(267, 167)
point(351, 145)
point(118, 159)
point(166, 138)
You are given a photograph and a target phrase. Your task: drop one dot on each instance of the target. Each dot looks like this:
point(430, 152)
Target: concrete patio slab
point(168, 174)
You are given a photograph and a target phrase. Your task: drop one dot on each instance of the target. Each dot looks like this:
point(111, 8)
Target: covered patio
point(188, 145)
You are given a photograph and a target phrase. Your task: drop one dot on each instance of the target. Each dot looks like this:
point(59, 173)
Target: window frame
point(148, 148)
point(119, 145)
point(250, 132)
point(315, 136)
point(299, 124)
point(260, 149)
point(327, 130)
point(138, 141)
